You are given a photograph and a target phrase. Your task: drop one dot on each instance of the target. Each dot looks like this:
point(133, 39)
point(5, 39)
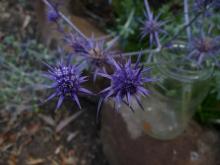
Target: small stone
point(194, 156)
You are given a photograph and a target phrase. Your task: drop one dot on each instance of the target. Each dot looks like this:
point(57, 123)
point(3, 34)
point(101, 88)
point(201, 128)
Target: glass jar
point(174, 98)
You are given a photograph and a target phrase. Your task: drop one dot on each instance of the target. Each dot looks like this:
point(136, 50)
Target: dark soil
point(32, 139)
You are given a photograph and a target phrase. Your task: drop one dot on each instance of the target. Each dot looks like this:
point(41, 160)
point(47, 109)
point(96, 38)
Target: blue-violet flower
point(152, 26)
point(203, 48)
point(127, 82)
point(95, 51)
point(67, 83)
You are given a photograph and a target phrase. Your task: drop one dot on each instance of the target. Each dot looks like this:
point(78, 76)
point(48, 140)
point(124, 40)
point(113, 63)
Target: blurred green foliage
point(170, 12)
point(20, 78)
point(209, 111)
point(122, 10)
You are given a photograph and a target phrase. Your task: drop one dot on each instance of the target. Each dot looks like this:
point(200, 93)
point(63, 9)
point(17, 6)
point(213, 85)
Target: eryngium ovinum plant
point(181, 66)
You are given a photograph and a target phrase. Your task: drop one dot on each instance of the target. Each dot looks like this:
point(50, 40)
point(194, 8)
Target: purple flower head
point(94, 51)
point(53, 13)
point(203, 48)
point(98, 55)
point(127, 82)
point(67, 83)
point(152, 26)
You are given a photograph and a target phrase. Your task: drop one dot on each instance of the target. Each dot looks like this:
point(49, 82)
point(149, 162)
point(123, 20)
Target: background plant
point(20, 78)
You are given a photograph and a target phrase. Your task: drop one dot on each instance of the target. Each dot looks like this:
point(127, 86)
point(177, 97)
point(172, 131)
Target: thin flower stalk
point(186, 16)
point(66, 19)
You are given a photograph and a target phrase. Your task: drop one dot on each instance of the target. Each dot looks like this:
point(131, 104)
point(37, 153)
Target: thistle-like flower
point(127, 82)
point(152, 26)
point(203, 48)
point(95, 52)
point(67, 83)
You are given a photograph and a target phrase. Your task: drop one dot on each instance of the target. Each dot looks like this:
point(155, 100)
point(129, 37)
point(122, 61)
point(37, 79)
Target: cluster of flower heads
point(94, 51)
point(127, 81)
